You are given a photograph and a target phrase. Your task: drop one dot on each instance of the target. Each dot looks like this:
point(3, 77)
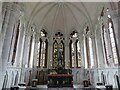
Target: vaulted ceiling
point(63, 16)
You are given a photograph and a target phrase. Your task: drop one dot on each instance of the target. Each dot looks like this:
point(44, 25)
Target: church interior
point(60, 45)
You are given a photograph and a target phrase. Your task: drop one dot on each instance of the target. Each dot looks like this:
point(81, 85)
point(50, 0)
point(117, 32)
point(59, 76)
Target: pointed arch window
point(113, 41)
point(58, 51)
point(75, 51)
point(42, 52)
point(109, 40)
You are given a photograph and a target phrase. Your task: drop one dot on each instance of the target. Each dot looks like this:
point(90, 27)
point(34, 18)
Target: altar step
point(75, 87)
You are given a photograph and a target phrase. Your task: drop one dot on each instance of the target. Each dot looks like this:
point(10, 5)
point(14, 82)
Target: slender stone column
point(66, 54)
point(99, 47)
point(103, 48)
point(32, 57)
point(75, 54)
point(25, 55)
point(94, 51)
point(19, 51)
point(50, 53)
point(35, 56)
point(80, 38)
point(32, 50)
point(82, 54)
point(26, 50)
point(22, 75)
point(22, 47)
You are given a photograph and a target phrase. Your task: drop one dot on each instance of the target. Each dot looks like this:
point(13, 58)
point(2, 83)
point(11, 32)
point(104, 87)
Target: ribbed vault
point(63, 16)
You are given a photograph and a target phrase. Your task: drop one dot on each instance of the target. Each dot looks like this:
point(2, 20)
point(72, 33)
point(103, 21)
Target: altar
point(60, 80)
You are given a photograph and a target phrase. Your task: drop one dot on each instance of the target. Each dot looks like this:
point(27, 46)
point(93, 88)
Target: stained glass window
point(112, 41)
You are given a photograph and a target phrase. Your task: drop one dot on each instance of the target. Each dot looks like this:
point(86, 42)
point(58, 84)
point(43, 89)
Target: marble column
point(35, 56)
point(99, 47)
point(25, 55)
point(32, 57)
point(22, 46)
point(26, 50)
point(50, 53)
point(66, 54)
point(80, 38)
point(84, 52)
point(22, 73)
point(94, 51)
point(32, 50)
point(19, 46)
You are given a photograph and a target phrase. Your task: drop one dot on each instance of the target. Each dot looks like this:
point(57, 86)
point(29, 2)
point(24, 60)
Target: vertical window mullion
point(40, 52)
point(70, 47)
point(76, 53)
point(46, 54)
